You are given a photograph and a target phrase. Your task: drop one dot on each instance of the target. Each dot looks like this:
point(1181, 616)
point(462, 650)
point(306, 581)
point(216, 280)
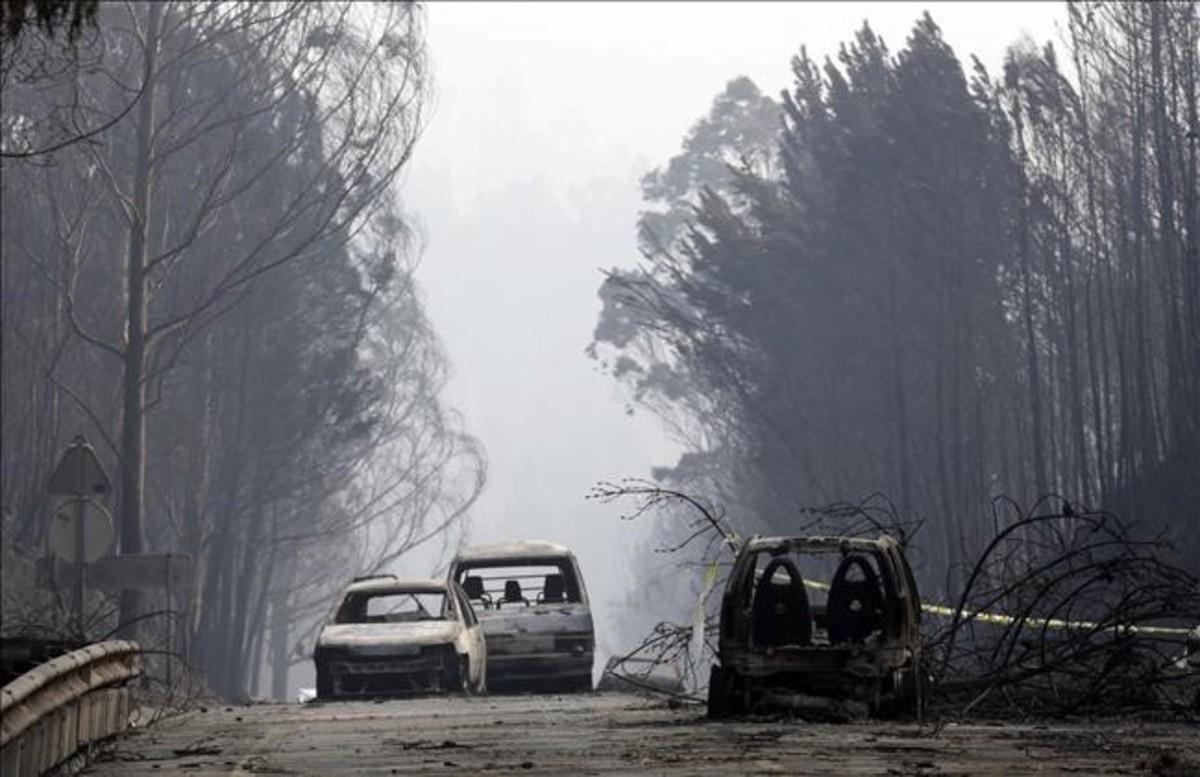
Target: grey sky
point(545, 117)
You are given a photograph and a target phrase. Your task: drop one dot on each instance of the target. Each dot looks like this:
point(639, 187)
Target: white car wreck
point(533, 607)
point(392, 637)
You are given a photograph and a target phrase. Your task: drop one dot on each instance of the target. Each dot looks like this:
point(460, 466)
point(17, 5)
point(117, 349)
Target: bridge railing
point(61, 706)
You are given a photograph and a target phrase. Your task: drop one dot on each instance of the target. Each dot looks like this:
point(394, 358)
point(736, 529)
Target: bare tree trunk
point(1031, 356)
point(256, 630)
point(237, 636)
point(133, 422)
point(220, 561)
point(899, 403)
point(281, 611)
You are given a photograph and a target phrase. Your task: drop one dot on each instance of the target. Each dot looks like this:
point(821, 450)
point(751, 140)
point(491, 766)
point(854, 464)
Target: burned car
point(533, 607)
point(392, 637)
point(840, 649)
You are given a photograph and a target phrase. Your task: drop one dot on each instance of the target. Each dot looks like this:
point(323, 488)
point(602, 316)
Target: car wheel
point(464, 671)
point(324, 683)
point(718, 693)
point(908, 690)
point(739, 694)
point(456, 675)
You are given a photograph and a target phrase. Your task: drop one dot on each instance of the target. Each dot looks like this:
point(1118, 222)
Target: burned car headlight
point(574, 645)
point(325, 653)
point(446, 654)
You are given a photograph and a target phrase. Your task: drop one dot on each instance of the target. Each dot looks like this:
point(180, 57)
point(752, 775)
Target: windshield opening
point(843, 592)
point(517, 583)
point(393, 607)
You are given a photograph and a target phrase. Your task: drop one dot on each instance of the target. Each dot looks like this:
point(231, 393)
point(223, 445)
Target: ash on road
point(618, 734)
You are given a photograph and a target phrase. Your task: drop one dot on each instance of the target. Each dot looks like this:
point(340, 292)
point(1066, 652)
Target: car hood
point(388, 634)
point(538, 619)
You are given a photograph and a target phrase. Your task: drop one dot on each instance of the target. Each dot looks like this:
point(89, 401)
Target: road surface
point(617, 734)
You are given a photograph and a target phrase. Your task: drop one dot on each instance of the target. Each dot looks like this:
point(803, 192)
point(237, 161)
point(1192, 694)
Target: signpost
point(79, 475)
point(81, 537)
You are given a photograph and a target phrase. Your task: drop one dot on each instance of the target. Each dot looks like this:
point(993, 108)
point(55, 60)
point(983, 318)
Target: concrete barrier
point(59, 707)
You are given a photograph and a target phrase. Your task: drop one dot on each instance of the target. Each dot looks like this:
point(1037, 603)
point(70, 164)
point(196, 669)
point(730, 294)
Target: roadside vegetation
point(207, 272)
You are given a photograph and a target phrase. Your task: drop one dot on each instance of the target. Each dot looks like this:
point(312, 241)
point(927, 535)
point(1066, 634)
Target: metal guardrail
point(56, 708)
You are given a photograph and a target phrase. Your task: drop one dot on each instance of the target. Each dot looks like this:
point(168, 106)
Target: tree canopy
point(944, 288)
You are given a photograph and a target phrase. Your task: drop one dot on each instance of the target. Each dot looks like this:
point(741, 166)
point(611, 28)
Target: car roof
point(515, 551)
point(390, 584)
point(823, 542)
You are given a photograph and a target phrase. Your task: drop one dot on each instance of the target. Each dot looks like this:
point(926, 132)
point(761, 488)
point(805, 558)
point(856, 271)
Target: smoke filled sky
point(525, 183)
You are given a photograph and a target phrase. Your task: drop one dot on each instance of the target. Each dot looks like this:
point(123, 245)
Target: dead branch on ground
point(1068, 614)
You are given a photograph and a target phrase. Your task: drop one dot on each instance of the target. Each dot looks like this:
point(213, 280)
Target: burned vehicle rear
point(533, 607)
point(393, 637)
point(824, 626)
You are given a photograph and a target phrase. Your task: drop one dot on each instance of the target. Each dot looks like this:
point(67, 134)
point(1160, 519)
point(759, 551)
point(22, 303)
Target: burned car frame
point(853, 652)
point(392, 637)
point(533, 606)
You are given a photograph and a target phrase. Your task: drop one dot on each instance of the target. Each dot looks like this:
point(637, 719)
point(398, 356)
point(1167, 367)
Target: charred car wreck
point(840, 649)
point(392, 637)
point(533, 607)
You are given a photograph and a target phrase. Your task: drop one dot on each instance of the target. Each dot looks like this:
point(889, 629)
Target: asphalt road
point(619, 734)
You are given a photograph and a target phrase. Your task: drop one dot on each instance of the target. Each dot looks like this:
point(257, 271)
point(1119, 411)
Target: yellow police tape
point(1049, 623)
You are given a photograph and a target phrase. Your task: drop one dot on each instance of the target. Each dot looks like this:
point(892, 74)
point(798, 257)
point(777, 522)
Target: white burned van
point(533, 606)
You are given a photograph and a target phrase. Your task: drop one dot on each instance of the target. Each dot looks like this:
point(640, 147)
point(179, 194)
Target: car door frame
point(478, 662)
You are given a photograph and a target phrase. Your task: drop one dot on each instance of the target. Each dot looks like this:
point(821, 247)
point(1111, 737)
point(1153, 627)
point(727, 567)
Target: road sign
point(79, 472)
point(97, 535)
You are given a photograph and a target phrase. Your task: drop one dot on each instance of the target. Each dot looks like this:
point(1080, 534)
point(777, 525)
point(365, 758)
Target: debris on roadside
point(1069, 614)
point(1062, 614)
